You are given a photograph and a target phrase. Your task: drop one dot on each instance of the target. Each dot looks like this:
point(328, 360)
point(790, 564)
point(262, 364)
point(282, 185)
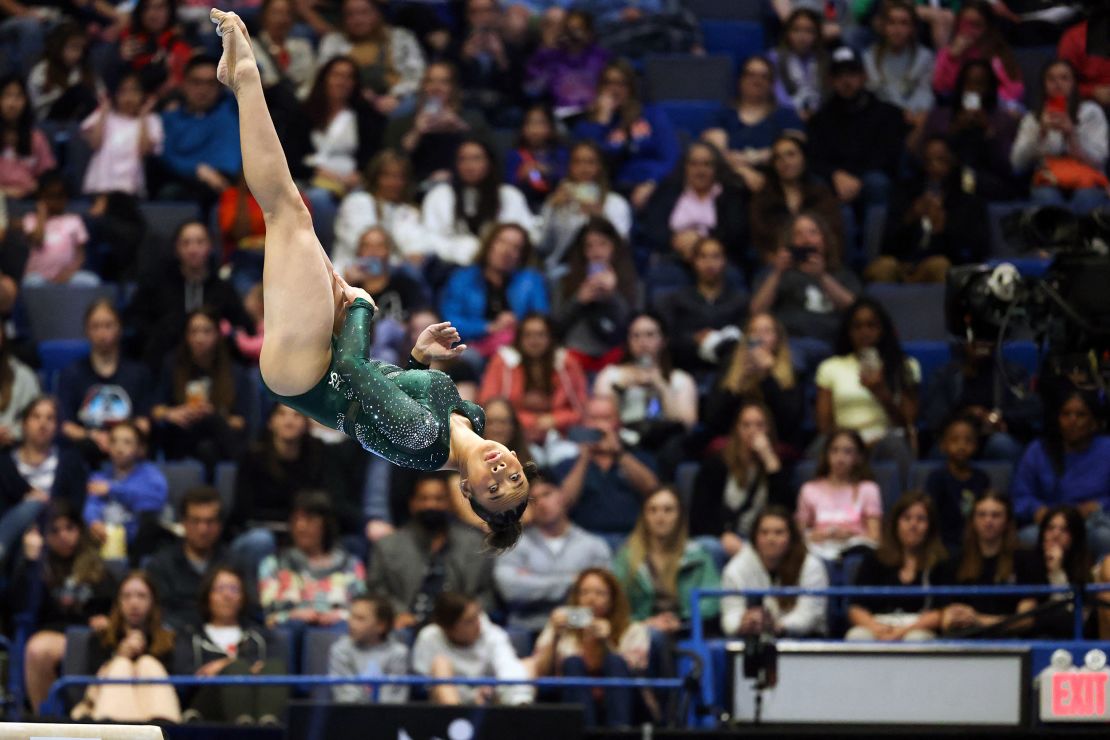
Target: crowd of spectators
point(673, 325)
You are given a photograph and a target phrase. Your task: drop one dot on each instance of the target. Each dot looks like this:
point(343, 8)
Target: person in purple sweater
point(568, 72)
point(1069, 465)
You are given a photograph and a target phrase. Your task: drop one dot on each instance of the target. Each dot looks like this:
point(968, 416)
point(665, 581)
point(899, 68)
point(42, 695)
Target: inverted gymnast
point(314, 355)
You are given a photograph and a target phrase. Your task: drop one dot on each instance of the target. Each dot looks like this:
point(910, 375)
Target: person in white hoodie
point(776, 557)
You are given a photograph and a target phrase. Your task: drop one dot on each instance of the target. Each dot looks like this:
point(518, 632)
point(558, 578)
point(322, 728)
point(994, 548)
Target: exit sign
point(1075, 696)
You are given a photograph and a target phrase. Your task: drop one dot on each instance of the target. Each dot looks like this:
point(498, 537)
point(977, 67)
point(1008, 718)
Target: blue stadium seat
point(163, 218)
point(226, 473)
point(1030, 267)
point(58, 311)
point(181, 475)
point(1024, 353)
point(737, 39)
point(1031, 60)
point(57, 354)
point(317, 641)
point(734, 10)
point(996, 212)
point(930, 355)
point(917, 310)
point(691, 117)
point(689, 77)
point(998, 471)
point(523, 640)
point(874, 224)
point(684, 476)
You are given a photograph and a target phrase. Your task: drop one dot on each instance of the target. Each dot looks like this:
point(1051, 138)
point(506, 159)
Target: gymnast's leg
point(296, 274)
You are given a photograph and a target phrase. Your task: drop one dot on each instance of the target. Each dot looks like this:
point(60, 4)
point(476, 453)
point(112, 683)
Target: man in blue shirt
point(201, 156)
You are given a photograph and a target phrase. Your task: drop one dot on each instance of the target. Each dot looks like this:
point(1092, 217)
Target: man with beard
point(429, 555)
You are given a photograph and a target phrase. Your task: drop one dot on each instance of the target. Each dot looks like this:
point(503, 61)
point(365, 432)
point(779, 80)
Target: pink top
point(693, 213)
point(19, 172)
point(62, 238)
point(823, 505)
point(948, 69)
point(117, 165)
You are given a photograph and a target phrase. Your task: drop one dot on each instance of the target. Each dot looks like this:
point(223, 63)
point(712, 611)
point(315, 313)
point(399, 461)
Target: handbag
point(1068, 173)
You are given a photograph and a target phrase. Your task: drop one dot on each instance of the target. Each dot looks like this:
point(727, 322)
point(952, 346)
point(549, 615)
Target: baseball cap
point(845, 59)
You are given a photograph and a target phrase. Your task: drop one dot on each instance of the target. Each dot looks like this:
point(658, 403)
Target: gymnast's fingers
point(458, 350)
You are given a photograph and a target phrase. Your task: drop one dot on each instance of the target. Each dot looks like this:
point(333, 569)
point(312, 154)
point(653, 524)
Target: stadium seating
point(916, 310)
point(737, 39)
point(686, 77)
point(181, 475)
point(1000, 473)
point(736, 10)
point(57, 354)
point(58, 311)
point(690, 117)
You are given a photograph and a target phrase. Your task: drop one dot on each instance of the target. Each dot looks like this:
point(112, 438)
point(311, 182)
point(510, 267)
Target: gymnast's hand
point(434, 343)
point(349, 294)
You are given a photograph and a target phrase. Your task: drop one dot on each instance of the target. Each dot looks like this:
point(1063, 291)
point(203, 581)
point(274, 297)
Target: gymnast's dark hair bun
point(505, 528)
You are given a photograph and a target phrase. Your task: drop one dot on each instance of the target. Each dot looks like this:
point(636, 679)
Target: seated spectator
point(637, 138)
point(134, 644)
point(368, 650)
point(834, 13)
point(977, 37)
point(388, 58)
point(790, 189)
point(152, 45)
point(841, 509)
point(979, 132)
point(13, 247)
point(776, 558)
point(125, 501)
point(386, 202)
point(61, 585)
point(744, 131)
point(972, 384)
point(339, 132)
point(702, 318)
point(594, 635)
point(202, 396)
point(806, 287)
point(283, 58)
point(910, 554)
point(538, 162)
point(633, 28)
point(598, 295)
point(19, 386)
point(801, 63)
point(696, 201)
point(37, 471)
point(1060, 558)
point(1092, 70)
point(286, 459)
point(433, 133)
point(178, 287)
point(855, 138)
point(1064, 144)
point(491, 52)
point(122, 133)
point(659, 567)
point(899, 68)
point(545, 385)
point(870, 386)
point(566, 73)
point(605, 484)
point(178, 570)
point(201, 156)
point(734, 486)
point(462, 642)
point(25, 152)
point(226, 643)
point(62, 85)
point(931, 223)
point(957, 484)
point(57, 239)
point(458, 214)
point(759, 370)
point(427, 556)
point(535, 577)
point(1069, 465)
point(579, 199)
point(395, 291)
point(988, 559)
point(486, 300)
point(312, 581)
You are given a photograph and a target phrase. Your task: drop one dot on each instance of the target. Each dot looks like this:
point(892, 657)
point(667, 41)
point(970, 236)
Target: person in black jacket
point(36, 472)
point(855, 138)
point(931, 223)
point(185, 284)
point(699, 199)
point(732, 488)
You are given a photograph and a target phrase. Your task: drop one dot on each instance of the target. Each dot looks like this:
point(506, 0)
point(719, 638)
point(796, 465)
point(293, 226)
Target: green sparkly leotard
point(400, 415)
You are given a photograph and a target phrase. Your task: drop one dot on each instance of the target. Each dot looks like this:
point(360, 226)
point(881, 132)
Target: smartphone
point(869, 360)
point(801, 254)
point(579, 617)
point(587, 192)
point(584, 435)
point(1056, 104)
point(972, 101)
point(433, 106)
point(596, 268)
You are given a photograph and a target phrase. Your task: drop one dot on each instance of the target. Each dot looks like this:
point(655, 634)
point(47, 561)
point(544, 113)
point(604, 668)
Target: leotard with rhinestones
point(402, 415)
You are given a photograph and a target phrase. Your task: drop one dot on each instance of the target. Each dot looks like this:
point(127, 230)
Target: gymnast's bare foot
point(238, 56)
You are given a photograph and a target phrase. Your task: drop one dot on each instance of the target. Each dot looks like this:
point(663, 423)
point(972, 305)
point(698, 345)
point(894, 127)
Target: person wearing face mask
point(428, 556)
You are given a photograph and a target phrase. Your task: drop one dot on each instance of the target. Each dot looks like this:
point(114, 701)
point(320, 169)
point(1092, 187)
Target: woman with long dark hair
point(25, 153)
point(1060, 558)
point(546, 386)
point(841, 509)
point(153, 46)
point(801, 63)
point(459, 214)
point(977, 37)
point(63, 86)
point(776, 557)
point(899, 67)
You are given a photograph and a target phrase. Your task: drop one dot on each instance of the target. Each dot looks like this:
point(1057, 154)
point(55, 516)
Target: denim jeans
point(15, 522)
point(617, 701)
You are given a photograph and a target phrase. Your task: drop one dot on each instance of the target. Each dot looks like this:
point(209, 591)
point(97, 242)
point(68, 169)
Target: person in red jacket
point(1093, 71)
point(545, 385)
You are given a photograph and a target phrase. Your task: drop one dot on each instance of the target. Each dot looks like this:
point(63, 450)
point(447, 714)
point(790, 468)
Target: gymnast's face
point(494, 477)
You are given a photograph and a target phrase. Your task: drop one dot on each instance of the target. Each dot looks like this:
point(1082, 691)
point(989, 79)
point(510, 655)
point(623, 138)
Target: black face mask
point(433, 520)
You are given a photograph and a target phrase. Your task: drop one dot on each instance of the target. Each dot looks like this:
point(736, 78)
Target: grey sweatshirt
point(389, 658)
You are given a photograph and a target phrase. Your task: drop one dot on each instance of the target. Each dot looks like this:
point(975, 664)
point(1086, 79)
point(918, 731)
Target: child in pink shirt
point(57, 239)
point(841, 508)
point(121, 133)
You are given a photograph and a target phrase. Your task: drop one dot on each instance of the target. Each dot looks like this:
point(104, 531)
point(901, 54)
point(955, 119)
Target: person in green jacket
point(659, 567)
point(412, 417)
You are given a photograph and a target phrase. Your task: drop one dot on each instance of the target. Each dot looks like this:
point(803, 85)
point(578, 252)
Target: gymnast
point(314, 354)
